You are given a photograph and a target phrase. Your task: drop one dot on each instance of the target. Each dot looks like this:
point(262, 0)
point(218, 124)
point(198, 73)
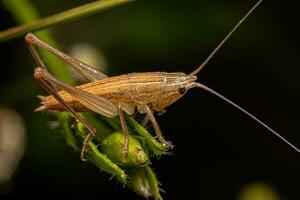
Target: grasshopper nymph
point(111, 96)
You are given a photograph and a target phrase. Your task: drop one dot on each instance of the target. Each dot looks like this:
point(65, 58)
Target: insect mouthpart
point(190, 78)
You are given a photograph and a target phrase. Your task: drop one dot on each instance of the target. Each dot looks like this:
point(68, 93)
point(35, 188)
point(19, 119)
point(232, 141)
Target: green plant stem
point(63, 17)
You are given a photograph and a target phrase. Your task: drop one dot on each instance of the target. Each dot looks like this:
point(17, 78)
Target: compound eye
point(182, 90)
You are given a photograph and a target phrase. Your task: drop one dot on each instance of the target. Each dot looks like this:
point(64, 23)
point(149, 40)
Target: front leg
point(146, 119)
point(167, 144)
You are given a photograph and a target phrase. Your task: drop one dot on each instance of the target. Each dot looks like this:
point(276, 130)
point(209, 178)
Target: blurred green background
point(220, 153)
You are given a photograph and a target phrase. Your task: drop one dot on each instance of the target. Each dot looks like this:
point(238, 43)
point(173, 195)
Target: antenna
point(211, 55)
point(247, 113)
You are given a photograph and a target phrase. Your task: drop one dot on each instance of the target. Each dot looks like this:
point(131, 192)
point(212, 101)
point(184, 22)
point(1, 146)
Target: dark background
point(219, 151)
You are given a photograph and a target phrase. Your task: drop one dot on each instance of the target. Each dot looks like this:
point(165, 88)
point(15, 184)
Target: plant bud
point(113, 145)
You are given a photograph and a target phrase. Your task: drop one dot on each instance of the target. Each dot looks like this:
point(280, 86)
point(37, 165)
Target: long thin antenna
point(225, 39)
point(246, 112)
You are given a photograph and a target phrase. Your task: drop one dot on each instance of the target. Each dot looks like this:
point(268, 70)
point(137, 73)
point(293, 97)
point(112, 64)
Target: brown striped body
point(156, 89)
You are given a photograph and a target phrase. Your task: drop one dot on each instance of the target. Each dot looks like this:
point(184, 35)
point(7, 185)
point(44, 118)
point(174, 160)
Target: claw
point(168, 145)
point(83, 151)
